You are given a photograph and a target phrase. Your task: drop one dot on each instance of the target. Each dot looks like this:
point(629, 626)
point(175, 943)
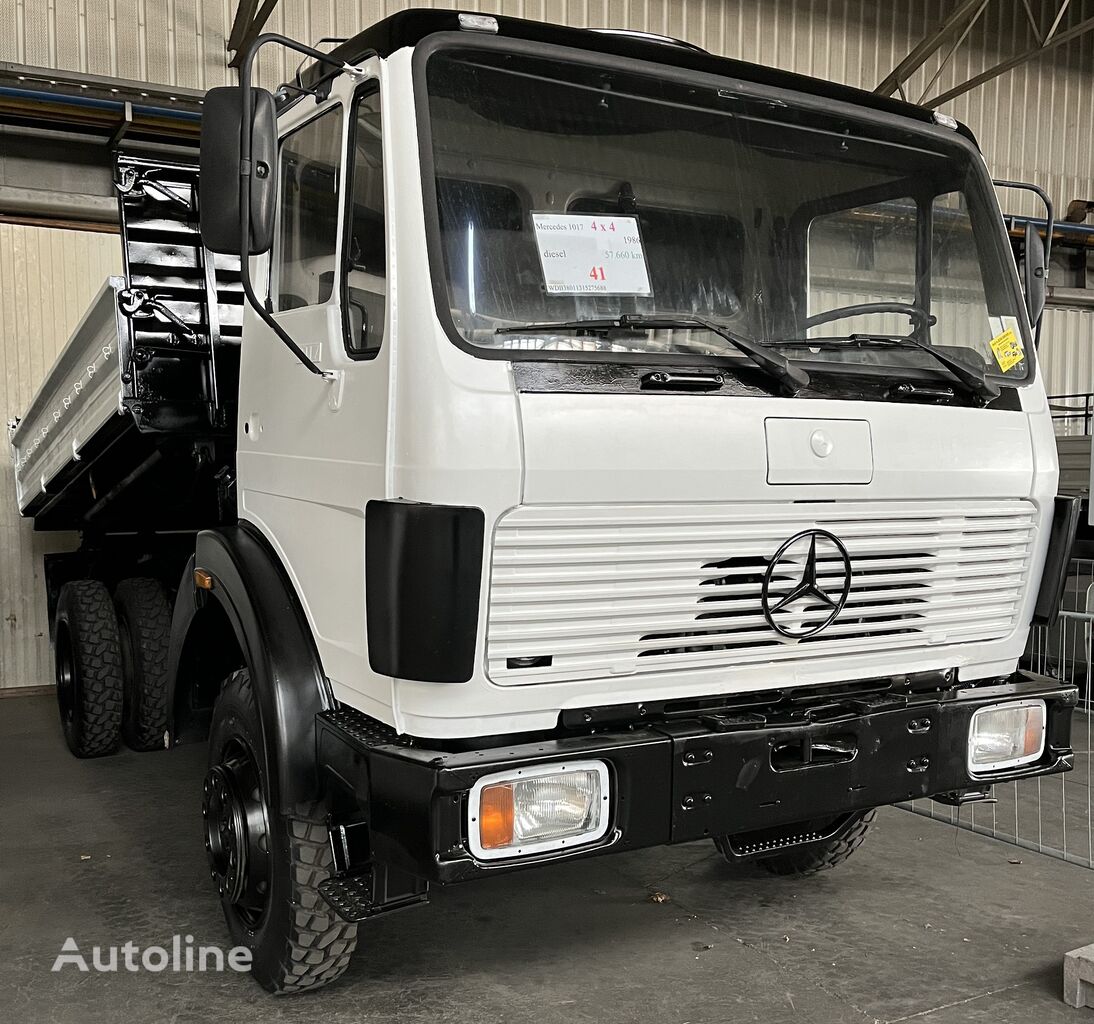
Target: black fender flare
point(250, 584)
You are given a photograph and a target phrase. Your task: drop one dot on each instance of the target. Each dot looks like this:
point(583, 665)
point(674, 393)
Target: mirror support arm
point(1050, 226)
point(245, 171)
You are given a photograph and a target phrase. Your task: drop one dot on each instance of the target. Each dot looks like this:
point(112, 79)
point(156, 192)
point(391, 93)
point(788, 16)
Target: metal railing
point(1072, 414)
point(1053, 815)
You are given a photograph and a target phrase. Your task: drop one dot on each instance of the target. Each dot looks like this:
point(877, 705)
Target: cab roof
point(408, 28)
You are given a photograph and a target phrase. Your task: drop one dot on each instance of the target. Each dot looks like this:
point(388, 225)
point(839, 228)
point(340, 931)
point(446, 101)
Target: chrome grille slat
point(610, 590)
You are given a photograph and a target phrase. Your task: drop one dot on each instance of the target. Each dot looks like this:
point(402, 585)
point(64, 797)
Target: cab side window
point(365, 307)
point(307, 245)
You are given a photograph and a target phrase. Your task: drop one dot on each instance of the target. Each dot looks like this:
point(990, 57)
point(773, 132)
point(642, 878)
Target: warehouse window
point(306, 251)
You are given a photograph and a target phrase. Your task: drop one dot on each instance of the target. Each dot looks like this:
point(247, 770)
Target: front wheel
point(809, 857)
point(268, 867)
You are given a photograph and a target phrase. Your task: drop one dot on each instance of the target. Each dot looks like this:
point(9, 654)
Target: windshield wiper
point(793, 378)
point(974, 380)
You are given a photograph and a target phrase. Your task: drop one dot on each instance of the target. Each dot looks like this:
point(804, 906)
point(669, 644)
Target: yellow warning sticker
point(1008, 349)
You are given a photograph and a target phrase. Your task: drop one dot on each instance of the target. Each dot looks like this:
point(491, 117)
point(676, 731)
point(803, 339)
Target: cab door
point(314, 451)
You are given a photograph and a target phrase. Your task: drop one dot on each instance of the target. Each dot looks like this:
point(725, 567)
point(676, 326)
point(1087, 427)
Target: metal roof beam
point(1056, 21)
point(1033, 23)
point(245, 13)
point(953, 49)
point(246, 32)
point(1059, 39)
point(950, 27)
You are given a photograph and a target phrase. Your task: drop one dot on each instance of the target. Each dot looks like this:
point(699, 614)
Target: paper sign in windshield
point(1007, 349)
point(583, 255)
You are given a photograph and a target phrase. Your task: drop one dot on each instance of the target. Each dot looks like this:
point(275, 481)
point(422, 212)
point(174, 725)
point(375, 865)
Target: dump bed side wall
point(81, 393)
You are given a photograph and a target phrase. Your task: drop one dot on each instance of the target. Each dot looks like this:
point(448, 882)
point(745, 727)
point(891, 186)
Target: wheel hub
point(65, 663)
point(236, 832)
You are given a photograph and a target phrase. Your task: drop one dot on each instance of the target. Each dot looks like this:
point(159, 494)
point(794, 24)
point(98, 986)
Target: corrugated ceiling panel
point(47, 279)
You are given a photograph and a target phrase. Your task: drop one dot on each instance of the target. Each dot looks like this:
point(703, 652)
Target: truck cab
point(631, 446)
point(629, 484)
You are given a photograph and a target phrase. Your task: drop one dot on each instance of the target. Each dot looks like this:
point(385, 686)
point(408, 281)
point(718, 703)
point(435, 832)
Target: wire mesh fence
point(1053, 815)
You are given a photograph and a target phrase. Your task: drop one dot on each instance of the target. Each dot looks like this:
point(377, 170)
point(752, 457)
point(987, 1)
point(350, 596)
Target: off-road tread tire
point(86, 607)
point(808, 860)
point(317, 945)
point(143, 608)
point(320, 944)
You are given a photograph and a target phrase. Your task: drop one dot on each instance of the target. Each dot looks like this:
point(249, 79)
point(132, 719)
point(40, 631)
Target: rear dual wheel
point(144, 628)
point(111, 665)
point(88, 661)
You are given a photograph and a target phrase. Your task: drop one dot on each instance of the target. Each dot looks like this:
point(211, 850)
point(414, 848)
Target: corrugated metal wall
point(1035, 123)
point(47, 278)
point(1067, 351)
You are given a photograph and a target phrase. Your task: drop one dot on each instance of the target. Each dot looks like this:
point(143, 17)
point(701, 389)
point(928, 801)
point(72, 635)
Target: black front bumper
point(732, 773)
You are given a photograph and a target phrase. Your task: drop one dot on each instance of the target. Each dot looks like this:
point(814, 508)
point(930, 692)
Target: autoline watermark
point(182, 955)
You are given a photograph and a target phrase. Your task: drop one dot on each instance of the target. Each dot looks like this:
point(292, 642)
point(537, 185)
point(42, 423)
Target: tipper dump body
point(137, 416)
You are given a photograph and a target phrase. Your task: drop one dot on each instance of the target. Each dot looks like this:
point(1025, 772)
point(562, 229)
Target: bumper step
point(374, 891)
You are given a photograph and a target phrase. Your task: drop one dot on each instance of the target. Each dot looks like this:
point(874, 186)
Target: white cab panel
point(582, 447)
point(821, 451)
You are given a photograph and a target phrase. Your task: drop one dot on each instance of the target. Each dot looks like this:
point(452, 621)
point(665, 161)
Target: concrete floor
point(924, 923)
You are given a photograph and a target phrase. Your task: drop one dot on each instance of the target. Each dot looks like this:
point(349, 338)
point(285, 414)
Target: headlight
point(532, 810)
point(1006, 735)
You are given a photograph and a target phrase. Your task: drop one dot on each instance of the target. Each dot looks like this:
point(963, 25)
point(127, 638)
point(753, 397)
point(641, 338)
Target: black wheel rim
point(67, 677)
point(237, 832)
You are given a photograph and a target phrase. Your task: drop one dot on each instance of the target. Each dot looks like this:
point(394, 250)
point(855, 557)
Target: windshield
point(567, 192)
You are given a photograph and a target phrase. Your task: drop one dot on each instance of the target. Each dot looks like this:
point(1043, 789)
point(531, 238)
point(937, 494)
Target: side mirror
point(1034, 274)
point(218, 182)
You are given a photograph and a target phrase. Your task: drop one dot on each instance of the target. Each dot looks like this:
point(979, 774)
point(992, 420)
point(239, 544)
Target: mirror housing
point(219, 179)
point(1034, 276)
point(357, 325)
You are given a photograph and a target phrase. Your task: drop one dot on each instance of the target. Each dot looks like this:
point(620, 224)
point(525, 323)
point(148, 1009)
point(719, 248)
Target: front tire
point(88, 663)
point(267, 867)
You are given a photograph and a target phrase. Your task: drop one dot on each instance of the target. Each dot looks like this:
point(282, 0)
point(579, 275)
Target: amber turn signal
point(496, 817)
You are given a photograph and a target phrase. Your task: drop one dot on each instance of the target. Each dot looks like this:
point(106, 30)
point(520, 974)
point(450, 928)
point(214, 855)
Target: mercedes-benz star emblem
point(794, 589)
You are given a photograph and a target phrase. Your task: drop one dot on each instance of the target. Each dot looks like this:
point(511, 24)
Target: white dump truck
point(601, 444)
